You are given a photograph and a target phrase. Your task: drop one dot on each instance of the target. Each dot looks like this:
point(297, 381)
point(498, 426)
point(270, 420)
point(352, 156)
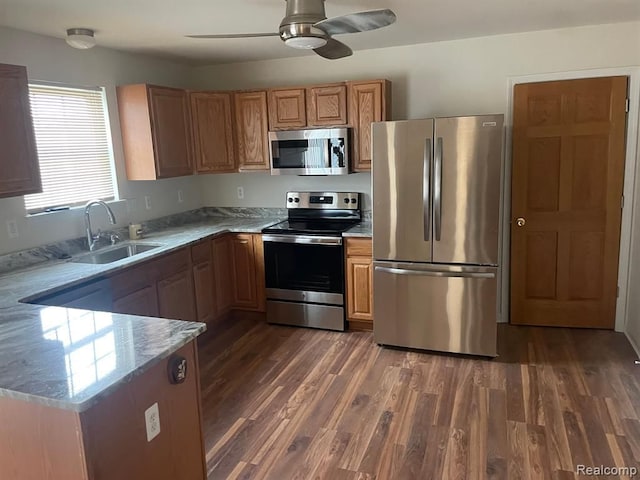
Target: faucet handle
point(115, 238)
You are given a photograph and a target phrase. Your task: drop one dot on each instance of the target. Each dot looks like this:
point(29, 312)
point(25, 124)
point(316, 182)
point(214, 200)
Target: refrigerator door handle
point(426, 191)
point(427, 273)
point(437, 189)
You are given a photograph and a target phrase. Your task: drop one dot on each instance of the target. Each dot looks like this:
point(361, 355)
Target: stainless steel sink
point(115, 253)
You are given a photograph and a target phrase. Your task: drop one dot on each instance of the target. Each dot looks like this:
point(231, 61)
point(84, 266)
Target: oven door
point(304, 268)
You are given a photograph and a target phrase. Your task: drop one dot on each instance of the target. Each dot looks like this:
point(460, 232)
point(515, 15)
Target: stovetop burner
point(306, 227)
point(319, 213)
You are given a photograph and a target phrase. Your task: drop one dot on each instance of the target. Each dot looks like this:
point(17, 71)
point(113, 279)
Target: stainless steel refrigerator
point(436, 218)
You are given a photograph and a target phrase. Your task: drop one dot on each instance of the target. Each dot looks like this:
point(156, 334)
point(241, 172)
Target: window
point(74, 146)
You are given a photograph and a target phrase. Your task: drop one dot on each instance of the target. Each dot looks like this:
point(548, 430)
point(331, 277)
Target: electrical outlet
point(152, 421)
point(147, 202)
point(180, 196)
point(12, 228)
point(240, 193)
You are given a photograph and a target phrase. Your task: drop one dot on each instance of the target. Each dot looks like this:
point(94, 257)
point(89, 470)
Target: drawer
point(172, 263)
point(362, 247)
point(201, 252)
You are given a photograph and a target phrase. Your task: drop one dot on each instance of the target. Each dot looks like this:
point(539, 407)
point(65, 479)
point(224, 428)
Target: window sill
point(72, 210)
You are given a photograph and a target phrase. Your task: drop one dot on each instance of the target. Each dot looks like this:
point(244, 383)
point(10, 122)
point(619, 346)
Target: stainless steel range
point(304, 260)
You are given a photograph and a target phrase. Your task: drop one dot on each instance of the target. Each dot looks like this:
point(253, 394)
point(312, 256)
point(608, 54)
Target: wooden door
point(175, 297)
point(243, 272)
point(252, 130)
point(212, 122)
point(568, 165)
point(141, 302)
point(327, 105)
point(19, 169)
point(171, 130)
point(368, 102)
point(287, 108)
point(222, 265)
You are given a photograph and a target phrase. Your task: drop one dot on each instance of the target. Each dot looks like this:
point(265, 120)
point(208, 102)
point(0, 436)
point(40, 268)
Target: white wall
point(460, 77)
point(50, 59)
point(446, 78)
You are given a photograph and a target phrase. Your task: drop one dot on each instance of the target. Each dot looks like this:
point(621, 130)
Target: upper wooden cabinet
point(156, 131)
point(327, 105)
point(287, 108)
point(19, 169)
point(252, 130)
point(369, 101)
point(212, 121)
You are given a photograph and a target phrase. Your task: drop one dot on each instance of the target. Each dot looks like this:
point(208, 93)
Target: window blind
point(73, 145)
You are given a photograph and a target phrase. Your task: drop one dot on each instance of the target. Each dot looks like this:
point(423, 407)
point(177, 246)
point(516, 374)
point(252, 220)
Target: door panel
point(471, 160)
point(401, 150)
point(432, 309)
point(568, 166)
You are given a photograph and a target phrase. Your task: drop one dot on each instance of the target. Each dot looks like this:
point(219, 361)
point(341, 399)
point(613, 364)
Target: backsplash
point(67, 248)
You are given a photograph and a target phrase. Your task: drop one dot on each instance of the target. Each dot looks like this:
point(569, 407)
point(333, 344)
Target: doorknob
point(520, 222)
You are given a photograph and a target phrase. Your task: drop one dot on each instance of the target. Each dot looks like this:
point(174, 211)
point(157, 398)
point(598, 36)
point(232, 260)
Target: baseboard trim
point(633, 344)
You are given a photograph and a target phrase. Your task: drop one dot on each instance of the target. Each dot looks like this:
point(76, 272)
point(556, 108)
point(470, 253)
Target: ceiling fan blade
point(357, 22)
point(334, 50)
point(236, 35)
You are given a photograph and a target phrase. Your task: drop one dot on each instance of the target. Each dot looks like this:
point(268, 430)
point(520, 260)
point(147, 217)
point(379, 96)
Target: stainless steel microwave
point(310, 152)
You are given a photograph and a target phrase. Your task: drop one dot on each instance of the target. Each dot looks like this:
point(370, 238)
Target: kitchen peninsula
point(87, 394)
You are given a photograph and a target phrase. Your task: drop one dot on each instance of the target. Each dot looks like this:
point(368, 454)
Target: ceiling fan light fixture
point(305, 43)
point(81, 38)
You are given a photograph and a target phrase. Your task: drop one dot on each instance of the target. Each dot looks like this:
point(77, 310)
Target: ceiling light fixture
point(306, 43)
point(81, 38)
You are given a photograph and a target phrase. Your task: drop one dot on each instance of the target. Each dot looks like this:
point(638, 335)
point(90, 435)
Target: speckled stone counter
point(71, 358)
point(363, 229)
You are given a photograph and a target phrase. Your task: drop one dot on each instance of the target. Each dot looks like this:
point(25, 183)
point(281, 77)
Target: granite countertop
point(69, 358)
point(363, 229)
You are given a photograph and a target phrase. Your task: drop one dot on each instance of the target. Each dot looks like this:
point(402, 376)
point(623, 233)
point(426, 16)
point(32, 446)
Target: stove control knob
point(290, 199)
point(353, 200)
point(346, 200)
point(297, 200)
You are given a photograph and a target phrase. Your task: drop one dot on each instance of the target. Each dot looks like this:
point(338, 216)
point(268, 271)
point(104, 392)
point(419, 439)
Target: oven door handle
point(304, 239)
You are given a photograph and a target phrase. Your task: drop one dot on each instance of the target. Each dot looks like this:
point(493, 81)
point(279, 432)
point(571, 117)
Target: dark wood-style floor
point(291, 403)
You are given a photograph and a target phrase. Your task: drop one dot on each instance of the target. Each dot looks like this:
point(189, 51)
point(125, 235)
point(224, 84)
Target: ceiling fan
point(306, 26)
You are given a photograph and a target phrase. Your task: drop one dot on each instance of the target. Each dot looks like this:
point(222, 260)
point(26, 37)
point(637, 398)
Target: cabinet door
point(258, 258)
point(171, 130)
point(203, 283)
point(252, 130)
point(368, 102)
point(175, 297)
point(244, 272)
point(222, 264)
point(327, 105)
point(19, 169)
point(141, 302)
point(212, 121)
point(287, 108)
point(359, 288)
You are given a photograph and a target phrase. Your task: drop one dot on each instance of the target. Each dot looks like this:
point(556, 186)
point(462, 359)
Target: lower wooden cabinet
point(202, 282)
point(162, 287)
point(222, 266)
point(359, 267)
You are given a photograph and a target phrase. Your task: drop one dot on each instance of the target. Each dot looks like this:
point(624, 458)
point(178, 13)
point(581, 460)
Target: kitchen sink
point(115, 253)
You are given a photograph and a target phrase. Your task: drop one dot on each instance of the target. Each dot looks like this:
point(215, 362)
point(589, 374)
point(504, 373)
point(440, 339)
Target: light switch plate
point(147, 202)
point(180, 196)
point(12, 228)
point(152, 421)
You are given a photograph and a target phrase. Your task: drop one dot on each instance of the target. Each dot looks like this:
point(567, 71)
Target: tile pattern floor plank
point(286, 403)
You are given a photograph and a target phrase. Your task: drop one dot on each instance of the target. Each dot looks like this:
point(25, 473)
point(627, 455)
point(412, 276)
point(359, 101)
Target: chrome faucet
point(91, 238)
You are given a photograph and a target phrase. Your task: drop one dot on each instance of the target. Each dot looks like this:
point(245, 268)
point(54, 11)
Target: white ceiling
point(158, 27)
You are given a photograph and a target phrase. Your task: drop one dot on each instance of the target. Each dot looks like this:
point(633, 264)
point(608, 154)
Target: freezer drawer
point(448, 309)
